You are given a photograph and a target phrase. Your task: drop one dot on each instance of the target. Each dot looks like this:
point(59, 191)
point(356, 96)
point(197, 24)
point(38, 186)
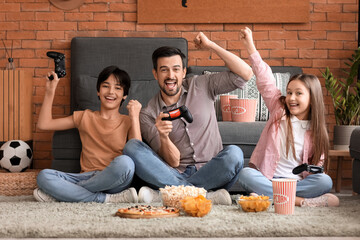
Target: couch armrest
point(355, 143)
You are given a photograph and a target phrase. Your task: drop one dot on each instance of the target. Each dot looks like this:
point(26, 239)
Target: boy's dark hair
point(121, 76)
point(167, 51)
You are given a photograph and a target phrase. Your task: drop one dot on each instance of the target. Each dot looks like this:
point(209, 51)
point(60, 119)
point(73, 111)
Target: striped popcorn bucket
point(243, 110)
point(284, 193)
point(225, 106)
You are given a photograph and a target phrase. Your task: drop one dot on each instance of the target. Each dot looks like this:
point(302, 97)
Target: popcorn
point(171, 195)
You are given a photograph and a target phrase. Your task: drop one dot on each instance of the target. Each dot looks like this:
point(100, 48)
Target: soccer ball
point(15, 156)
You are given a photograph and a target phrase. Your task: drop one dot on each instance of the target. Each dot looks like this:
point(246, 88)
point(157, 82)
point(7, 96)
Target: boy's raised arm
point(46, 121)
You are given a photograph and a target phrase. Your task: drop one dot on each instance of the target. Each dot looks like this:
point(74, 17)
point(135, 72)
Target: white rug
point(23, 217)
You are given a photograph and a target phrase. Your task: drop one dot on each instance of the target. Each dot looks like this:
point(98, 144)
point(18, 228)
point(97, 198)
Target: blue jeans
point(313, 185)
point(220, 172)
point(88, 186)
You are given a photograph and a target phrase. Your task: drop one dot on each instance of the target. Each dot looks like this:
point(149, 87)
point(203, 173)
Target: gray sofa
point(90, 55)
point(355, 153)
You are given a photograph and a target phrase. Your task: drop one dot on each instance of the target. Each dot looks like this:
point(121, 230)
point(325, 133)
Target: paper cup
point(225, 106)
point(284, 193)
point(243, 110)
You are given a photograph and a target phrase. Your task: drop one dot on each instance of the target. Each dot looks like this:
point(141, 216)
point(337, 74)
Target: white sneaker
point(219, 197)
point(149, 195)
point(40, 196)
point(127, 196)
point(326, 200)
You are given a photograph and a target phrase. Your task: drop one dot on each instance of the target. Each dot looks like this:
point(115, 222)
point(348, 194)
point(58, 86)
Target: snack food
point(147, 211)
point(171, 195)
point(254, 203)
point(196, 206)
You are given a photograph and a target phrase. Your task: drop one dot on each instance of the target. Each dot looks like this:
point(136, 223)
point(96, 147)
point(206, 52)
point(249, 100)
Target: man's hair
point(122, 77)
point(167, 51)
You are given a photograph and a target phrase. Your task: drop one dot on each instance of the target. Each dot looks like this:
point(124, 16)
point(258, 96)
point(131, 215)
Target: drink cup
point(225, 106)
point(243, 110)
point(284, 193)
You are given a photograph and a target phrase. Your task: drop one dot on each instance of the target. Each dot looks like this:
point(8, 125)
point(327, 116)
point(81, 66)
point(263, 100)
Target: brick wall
point(36, 26)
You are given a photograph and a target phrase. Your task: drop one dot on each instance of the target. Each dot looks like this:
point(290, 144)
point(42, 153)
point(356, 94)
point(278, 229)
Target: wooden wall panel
point(226, 11)
point(15, 107)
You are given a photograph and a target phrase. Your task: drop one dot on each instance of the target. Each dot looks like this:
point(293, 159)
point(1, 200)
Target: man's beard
point(172, 93)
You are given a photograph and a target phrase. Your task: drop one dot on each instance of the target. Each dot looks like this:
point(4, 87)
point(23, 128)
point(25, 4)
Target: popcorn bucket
point(225, 106)
point(284, 193)
point(243, 110)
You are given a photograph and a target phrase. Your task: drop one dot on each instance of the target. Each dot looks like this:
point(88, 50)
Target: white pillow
point(250, 91)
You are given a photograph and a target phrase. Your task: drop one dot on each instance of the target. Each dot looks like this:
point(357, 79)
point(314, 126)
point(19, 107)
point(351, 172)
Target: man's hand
point(164, 127)
point(202, 42)
point(247, 39)
point(134, 108)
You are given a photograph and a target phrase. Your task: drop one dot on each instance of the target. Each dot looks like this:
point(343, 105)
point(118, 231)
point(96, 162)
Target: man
point(185, 153)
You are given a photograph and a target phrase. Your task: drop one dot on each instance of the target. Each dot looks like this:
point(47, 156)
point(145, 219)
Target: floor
point(280, 238)
point(344, 192)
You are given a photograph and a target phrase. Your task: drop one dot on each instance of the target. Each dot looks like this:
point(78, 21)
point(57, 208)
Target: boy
point(105, 173)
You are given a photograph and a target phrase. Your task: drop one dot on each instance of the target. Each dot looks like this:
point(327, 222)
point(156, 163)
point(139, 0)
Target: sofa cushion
point(86, 96)
point(250, 91)
point(89, 55)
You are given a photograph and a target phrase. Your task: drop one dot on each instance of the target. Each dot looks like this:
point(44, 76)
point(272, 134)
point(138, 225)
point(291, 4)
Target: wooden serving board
point(139, 216)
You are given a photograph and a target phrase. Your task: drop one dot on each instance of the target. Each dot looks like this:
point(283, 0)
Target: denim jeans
point(88, 186)
point(220, 172)
point(313, 185)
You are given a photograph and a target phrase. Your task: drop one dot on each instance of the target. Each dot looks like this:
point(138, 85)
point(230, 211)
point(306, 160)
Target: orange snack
point(196, 206)
point(254, 204)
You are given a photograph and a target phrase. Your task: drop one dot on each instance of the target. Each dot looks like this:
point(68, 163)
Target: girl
point(295, 134)
point(106, 174)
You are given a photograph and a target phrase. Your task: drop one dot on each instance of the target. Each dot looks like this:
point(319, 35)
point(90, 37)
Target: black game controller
point(59, 60)
point(309, 168)
point(179, 112)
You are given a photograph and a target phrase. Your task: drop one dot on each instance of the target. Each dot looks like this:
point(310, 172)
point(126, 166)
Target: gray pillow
point(250, 91)
point(142, 91)
point(86, 94)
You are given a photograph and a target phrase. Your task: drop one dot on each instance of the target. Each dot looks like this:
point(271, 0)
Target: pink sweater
point(266, 155)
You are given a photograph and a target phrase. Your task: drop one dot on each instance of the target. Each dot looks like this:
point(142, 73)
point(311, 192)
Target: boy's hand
point(134, 108)
point(201, 41)
point(51, 84)
point(247, 39)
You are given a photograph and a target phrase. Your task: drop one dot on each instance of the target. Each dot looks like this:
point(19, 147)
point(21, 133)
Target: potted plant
point(345, 94)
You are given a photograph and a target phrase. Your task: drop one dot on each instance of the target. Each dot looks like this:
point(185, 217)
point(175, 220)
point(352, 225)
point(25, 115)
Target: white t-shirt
point(288, 163)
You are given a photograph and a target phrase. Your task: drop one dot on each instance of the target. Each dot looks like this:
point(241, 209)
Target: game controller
point(59, 60)
point(309, 168)
point(179, 112)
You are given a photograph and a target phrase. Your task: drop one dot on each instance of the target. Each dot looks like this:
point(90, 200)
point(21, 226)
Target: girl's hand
point(201, 41)
point(134, 108)
point(247, 39)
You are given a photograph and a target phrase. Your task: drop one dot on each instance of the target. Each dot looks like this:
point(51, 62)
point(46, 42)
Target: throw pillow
point(250, 91)
point(86, 94)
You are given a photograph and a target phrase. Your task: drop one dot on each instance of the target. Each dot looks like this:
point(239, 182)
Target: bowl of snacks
point(172, 195)
point(196, 206)
point(254, 203)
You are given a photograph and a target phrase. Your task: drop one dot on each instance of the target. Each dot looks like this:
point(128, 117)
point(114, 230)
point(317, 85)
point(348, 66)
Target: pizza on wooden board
point(147, 211)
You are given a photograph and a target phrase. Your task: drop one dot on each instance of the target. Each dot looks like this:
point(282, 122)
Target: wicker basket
point(14, 184)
